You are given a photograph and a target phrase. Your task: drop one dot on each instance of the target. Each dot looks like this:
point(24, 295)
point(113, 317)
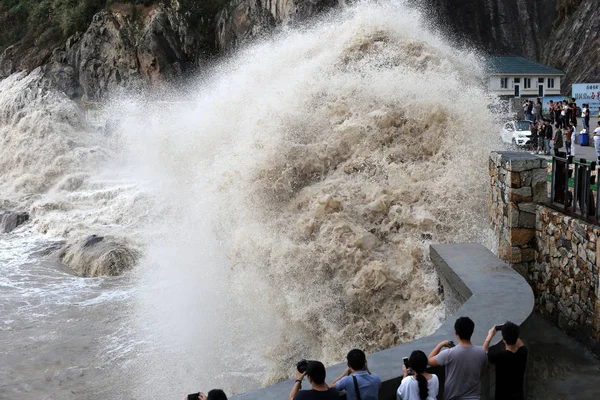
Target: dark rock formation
point(120, 51)
point(10, 220)
point(518, 27)
point(99, 256)
point(241, 20)
point(573, 46)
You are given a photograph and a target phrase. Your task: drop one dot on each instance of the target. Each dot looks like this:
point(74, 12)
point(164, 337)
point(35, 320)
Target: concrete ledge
point(490, 292)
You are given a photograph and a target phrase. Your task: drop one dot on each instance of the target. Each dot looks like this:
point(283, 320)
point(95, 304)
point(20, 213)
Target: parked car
point(516, 132)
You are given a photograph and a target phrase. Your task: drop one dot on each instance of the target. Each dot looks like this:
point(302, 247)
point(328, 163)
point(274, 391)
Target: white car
point(517, 132)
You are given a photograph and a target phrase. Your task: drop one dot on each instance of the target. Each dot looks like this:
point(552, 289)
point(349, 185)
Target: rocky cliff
point(127, 47)
point(573, 45)
point(124, 48)
point(497, 26)
point(241, 20)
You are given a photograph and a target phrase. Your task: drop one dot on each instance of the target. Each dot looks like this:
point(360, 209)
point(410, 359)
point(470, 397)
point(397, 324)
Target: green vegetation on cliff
point(48, 22)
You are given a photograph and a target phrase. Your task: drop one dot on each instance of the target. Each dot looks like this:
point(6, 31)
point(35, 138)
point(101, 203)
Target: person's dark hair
point(315, 370)
point(464, 327)
point(557, 126)
point(418, 363)
point(356, 359)
point(216, 394)
point(510, 333)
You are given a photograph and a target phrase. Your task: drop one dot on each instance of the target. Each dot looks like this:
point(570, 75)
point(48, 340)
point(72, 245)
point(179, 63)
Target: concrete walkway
point(559, 368)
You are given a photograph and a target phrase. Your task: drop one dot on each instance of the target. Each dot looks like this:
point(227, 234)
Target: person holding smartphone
point(510, 358)
point(419, 385)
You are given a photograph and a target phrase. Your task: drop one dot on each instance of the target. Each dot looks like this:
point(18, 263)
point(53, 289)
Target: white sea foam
point(284, 212)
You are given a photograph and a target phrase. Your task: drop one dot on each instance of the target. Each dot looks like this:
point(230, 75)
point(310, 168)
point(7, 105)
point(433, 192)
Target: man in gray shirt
point(464, 363)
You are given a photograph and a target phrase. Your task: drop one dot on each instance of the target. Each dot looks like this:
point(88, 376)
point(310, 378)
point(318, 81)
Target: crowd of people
point(560, 129)
point(463, 363)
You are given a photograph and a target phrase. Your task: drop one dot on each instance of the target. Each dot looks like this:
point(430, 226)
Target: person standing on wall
point(463, 363)
point(558, 140)
point(358, 382)
point(510, 359)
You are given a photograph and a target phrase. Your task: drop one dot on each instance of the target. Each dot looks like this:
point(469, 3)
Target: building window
point(504, 83)
point(550, 83)
point(540, 80)
point(517, 80)
point(527, 83)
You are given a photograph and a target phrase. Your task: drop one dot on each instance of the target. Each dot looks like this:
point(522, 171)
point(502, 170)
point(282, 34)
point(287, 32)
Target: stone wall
point(565, 275)
point(556, 253)
point(518, 185)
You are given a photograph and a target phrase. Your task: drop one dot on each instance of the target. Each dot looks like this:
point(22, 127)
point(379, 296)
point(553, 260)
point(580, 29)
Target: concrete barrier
point(476, 284)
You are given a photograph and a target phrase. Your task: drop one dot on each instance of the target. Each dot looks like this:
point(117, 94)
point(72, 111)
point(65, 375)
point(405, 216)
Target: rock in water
point(99, 256)
point(9, 220)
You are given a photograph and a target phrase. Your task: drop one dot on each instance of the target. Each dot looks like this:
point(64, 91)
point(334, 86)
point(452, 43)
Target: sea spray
point(285, 212)
point(322, 163)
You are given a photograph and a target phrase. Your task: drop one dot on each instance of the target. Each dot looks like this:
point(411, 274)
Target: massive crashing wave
point(301, 187)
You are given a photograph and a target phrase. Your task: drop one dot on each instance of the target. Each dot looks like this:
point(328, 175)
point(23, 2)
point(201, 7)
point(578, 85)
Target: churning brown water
point(284, 213)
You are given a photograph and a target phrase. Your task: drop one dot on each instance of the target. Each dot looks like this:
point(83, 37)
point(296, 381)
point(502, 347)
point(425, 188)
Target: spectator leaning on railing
point(510, 359)
point(464, 363)
point(358, 382)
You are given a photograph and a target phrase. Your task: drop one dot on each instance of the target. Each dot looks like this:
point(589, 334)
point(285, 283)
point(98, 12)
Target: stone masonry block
point(515, 179)
point(526, 220)
point(528, 207)
point(513, 215)
point(520, 236)
point(540, 192)
point(526, 177)
point(524, 194)
point(538, 176)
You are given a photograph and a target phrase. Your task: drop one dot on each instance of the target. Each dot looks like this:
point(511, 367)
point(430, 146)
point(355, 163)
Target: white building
point(512, 76)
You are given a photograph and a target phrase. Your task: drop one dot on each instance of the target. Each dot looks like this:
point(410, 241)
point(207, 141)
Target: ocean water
point(282, 209)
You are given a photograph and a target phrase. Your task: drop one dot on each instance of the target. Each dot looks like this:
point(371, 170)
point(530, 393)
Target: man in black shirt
point(315, 371)
point(510, 359)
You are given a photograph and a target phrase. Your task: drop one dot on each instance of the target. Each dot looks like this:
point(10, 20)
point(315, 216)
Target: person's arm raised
point(432, 361)
point(297, 385)
point(339, 378)
point(488, 339)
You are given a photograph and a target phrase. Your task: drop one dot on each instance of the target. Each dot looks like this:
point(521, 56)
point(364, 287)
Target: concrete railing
point(476, 284)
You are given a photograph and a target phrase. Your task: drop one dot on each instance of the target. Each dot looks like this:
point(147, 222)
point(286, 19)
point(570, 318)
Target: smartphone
point(451, 344)
point(405, 361)
point(194, 396)
point(409, 371)
point(499, 327)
